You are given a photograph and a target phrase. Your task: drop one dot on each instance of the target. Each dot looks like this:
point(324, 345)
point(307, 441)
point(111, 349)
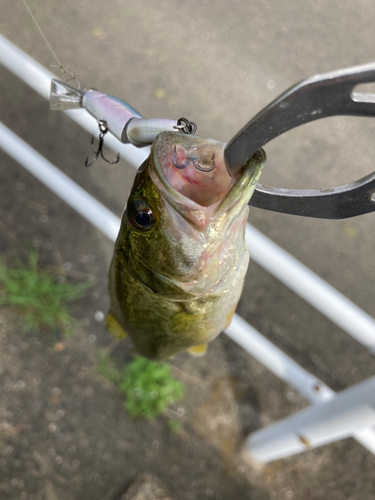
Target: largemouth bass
point(180, 258)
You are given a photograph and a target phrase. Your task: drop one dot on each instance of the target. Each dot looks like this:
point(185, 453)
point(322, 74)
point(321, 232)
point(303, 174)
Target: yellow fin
point(229, 318)
point(114, 327)
point(198, 350)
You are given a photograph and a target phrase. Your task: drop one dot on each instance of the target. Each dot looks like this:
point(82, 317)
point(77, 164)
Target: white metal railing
point(265, 444)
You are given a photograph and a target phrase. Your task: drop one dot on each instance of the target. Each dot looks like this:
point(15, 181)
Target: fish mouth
point(193, 167)
point(192, 176)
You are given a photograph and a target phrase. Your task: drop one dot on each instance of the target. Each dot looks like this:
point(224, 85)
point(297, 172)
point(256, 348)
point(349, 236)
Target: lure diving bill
point(180, 257)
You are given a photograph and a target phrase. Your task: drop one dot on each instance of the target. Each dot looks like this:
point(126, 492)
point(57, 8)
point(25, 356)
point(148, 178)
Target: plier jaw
point(329, 94)
point(340, 202)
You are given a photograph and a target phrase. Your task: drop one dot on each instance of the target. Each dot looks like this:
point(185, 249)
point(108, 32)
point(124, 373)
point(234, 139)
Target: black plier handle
point(321, 96)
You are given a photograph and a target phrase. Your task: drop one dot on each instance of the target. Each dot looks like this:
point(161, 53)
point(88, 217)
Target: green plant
point(37, 296)
point(108, 370)
point(174, 426)
point(148, 386)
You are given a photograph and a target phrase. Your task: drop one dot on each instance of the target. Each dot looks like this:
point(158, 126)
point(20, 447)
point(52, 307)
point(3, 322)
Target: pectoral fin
point(114, 327)
point(198, 350)
point(229, 318)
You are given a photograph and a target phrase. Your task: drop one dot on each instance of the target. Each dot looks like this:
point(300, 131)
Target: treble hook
point(103, 129)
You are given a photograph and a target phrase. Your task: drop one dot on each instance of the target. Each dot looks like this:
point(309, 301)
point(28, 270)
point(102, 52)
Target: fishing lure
point(114, 115)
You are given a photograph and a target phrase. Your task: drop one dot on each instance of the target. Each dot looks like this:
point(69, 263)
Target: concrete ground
point(63, 431)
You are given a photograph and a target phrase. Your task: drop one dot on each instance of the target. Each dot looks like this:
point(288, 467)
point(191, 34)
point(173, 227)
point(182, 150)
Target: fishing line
point(60, 66)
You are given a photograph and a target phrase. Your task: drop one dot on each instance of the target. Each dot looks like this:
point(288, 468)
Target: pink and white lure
point(121, 119)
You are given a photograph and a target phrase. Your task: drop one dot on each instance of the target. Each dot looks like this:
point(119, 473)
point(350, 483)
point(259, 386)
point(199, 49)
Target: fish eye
point(143, 219)
point(140, 215)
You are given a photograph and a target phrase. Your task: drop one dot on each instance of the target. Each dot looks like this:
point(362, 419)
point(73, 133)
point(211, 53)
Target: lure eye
point(140, 216)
